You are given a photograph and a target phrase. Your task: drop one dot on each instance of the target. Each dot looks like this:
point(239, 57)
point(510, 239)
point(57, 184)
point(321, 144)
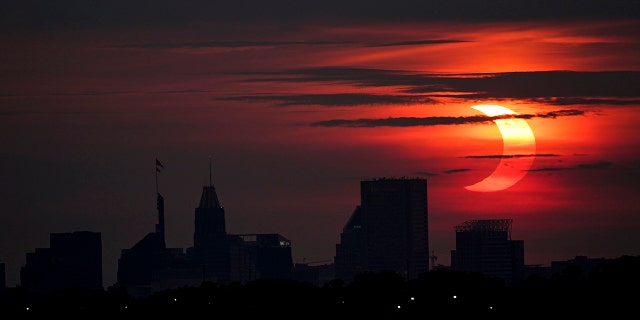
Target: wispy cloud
point(508, 156)
point(425, 173)
point(416, 43)
point(456, 170)
point(340, 99)
point(582, 166)
point(434, 121)
point(551, 87)
point(226, 44)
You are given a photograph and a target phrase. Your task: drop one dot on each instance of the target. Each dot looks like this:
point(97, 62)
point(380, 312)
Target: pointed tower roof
point(209, 198)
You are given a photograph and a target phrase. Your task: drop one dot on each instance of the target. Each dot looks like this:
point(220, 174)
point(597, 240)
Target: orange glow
point(489, 47)
point(517, 155)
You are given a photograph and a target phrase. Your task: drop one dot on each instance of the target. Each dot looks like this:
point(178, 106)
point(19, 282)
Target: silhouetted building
point(581, 264)
point(226, 258)
point(138, 264)
point(586, 265)
point(350, 252)
point(485, 246)
point(211, 247)
point(215, 256)
point(3, 277)
point(388, 231)
point(271, 254)
point(73, 260)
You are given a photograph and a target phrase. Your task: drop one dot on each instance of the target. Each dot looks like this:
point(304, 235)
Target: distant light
point(174, 299)
point(455, 297)
point(399, 307)
point(27, 308)
point(490, 308)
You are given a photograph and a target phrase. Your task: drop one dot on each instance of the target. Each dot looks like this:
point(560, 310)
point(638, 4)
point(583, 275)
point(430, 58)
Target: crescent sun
point(517, 155)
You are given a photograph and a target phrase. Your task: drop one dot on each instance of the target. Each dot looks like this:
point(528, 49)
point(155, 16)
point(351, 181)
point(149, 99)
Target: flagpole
point(156, 175)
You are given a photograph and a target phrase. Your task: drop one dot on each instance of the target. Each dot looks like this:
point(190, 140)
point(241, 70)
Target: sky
point(292, 103)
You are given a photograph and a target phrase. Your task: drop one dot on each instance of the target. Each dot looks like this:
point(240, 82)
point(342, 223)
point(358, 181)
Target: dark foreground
point(610, 290)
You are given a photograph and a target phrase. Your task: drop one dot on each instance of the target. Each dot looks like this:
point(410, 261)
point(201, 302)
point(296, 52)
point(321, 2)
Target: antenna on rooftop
point(210, 181)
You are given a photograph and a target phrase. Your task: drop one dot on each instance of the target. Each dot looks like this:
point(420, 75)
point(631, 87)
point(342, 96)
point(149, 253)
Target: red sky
point(294, 112)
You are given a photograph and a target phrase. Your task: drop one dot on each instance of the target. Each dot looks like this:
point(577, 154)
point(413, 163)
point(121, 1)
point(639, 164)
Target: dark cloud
point(456, 170)
point(48, 113)
point(268, 44)
point(46, 15)
point(111, 93)
point(339, 99)
point(416, 43)
point(550, 87)
point(425, 174)
point(550, 169)
point(91, 93)
point(187, 91)
point(586, 101)
point(506, 156)
point(547, 85)
point(434, 121)
point(554, 114)
point(401, 122)
point(359, 77)
point(582, 166)
point(596, 165)
point(227, 44)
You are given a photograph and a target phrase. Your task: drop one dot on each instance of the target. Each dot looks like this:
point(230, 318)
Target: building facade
point(210, 240)
point(73, 260)
point(388, 231)
point(485, 246)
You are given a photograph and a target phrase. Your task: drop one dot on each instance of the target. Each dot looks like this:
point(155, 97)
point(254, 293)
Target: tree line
point(608, 289)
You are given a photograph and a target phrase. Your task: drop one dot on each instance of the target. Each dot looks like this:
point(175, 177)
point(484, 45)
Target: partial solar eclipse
point(517, 155)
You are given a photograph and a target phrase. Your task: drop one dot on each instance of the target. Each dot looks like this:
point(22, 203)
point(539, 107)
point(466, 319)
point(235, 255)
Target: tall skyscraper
point(388, 231)
point(210, 241)
point(485, 246)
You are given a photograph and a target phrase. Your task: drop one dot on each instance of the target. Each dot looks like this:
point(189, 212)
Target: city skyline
point(159, 167)
point(296, 103)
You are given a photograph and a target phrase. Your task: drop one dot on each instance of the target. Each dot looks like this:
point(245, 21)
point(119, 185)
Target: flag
point(159, 165)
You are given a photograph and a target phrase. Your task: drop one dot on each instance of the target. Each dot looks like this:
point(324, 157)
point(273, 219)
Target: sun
point(519, 148)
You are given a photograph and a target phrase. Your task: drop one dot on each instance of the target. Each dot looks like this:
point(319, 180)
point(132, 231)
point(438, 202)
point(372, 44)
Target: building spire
point(209, 198)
